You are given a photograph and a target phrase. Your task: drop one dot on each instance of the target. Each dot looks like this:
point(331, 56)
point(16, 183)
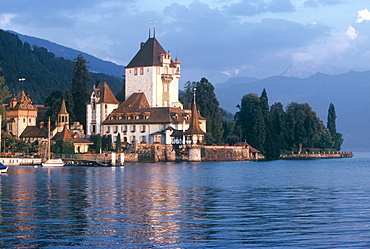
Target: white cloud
point(363, 15)
point(5, 19)
point(351, 32)
point(326, 50)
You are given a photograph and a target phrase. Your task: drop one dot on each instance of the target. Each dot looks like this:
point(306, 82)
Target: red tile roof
point(105, 94)
point(69, 136)
point(136, 110)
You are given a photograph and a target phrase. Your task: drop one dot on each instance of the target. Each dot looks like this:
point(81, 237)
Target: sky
point(216, 39)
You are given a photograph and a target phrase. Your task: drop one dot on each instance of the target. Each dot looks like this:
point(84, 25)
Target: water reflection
point(186, 205)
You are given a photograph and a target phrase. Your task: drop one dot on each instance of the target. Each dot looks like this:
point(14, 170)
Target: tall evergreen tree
point(118, 143)
point(251, 121)
point(208, 106)
point(80, 90)
point(275, 142)
point(99, 144)
point(332, 127)
point(332, 116)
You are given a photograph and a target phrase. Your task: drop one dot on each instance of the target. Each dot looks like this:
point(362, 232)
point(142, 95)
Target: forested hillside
point(44, 73)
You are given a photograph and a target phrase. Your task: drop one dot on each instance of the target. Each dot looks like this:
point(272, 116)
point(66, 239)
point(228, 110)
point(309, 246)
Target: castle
point(151, 120)
point(151, 112)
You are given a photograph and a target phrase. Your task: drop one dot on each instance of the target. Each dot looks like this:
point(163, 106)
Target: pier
point(318, 155)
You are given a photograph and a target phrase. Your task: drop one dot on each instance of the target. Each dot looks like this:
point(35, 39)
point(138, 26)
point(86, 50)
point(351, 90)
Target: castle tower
point(153, 72)
point(20, 114)
point(63, 117)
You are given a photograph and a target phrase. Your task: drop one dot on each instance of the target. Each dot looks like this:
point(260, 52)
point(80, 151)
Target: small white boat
point(53, 163)
point(3, 168)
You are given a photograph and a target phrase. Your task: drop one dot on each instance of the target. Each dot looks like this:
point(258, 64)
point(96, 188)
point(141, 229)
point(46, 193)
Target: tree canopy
point(208, 106)
point(273, 130)
point(80, 89)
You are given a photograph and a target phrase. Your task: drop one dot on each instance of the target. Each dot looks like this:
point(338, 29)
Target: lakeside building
point(20, 114)
point(152, 110)
point(61, 132)
point(102, 103)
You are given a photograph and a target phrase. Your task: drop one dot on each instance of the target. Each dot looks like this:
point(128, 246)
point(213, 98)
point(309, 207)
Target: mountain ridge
point(96, 65)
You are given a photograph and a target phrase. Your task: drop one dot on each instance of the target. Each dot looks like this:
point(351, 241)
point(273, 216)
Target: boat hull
point(3, 168)
point(53, 163)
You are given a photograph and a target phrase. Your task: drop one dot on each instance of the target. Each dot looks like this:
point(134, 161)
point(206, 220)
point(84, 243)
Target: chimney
point(142, 45)
point(41, 125)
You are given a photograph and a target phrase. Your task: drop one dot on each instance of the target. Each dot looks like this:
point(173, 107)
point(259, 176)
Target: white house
point(102, 103)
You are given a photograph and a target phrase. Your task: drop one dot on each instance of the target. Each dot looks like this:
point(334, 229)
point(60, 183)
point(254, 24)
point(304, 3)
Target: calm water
point(316, 204)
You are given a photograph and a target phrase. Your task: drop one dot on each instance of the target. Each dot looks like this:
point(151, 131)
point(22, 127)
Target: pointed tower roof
point(63, 108)
point(194, 127)
point(106, 95)
point(148, 55)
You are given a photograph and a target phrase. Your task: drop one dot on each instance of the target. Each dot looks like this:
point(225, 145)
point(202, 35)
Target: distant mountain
point(304, 70)
point(43, 71)
point(348, 92)
point(235, 81)
point(96, 65)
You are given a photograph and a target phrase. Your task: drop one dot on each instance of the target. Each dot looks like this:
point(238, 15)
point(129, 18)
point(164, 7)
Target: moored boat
point(3, 168)
point(57, 162)
point(51, 162)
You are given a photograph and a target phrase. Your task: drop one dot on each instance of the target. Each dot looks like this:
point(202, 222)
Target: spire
point(194, 127)
point(63, 116)
point(63, 108)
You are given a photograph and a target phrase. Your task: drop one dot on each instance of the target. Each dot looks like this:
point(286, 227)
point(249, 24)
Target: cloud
point(6, 19)
point(351, 32)
point(339, 49)
point(317, 3)
point(363, 15)
point(255, 7)
point(224, 44)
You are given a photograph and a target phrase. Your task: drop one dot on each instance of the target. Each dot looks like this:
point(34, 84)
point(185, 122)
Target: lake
point(287, 203)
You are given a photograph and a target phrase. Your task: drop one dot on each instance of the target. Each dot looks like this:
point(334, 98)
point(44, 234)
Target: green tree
point(251, 121)
point(80, 90)
point(332, 127)
point(275, 142)
point(63, 148)
point(107, 142)
point(325, 140)
point(98, 145)
point(121, 95)
point(208, 106)
point(302, 125)
point(4, 94)
point(118, 143)
point(332, 116)
point(54, 101)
